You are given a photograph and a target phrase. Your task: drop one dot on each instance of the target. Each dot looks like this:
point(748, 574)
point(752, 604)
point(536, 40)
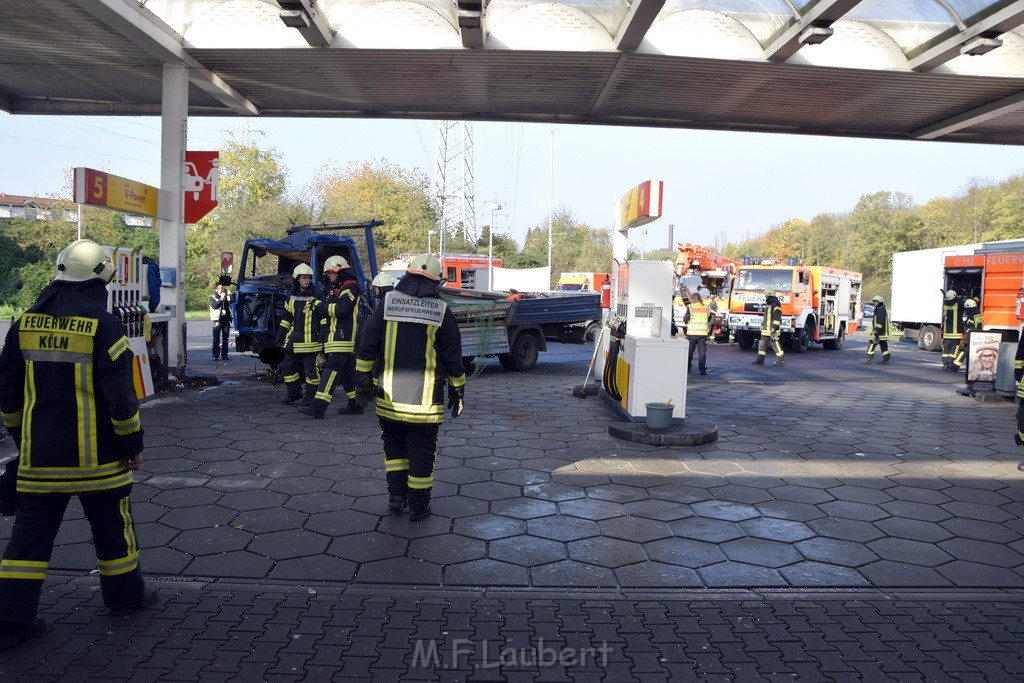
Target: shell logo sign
point(641, 205)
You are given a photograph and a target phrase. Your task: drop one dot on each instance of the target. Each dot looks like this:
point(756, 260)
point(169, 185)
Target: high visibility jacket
point(952, 327)
point(340, 318)
point(772, 320)
point(697, 320)
point(420, 348)
point(880, 322)
point(299, 330)
point(67, 395)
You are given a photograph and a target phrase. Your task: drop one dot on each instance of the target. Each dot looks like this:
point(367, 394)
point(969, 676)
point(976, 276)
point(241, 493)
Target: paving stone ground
point(850, 521)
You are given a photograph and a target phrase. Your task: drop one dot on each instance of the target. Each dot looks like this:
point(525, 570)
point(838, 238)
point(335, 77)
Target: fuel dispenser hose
point(610, 383)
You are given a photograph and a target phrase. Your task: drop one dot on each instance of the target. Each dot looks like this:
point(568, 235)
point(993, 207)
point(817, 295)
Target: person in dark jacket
point(880, 332)
point(338, 328)
point(771, 325)
point(220, 319)
point(299, 335)
point(415, 343)
point(68, 400)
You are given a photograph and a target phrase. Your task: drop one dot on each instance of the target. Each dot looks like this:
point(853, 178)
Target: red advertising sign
point(200, 178)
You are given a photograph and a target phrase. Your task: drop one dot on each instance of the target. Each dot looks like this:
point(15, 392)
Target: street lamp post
point(494, 206)
point(429, 234)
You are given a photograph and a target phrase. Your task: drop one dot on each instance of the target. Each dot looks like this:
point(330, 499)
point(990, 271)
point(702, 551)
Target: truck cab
point(265, 276)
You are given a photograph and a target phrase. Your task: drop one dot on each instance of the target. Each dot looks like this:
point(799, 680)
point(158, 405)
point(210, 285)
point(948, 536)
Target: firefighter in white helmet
point(299, 336)
point(952, 329)
point(68, 401)
point(414, 340)
point(339, 316)
point(880, 331)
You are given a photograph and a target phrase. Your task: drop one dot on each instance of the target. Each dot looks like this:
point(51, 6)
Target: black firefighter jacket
point(67, 394)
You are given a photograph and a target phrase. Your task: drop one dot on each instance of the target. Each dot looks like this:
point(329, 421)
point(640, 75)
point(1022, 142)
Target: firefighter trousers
point(882, 343)
point(769, 340)
point(949, 348)
point(297, 367)
point(409, 451)
point(340, 368)
point(36, 524)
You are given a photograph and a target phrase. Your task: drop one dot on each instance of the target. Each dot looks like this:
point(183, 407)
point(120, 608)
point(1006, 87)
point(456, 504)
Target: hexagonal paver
point(845, 529)
point(447, 549)
point(211, 541)
point(704, 529)
point(462, 475)
point(776, 529)
point(186, 497)
point(657, 575)
point(606, 552)
point(321, 501)
point(524, 508)
point(554, 491)
point(265, 521)
point(685, 552)
point(913, 529)
point(761, 552)
point(198, 517)
point(814, 574)
point(588, 508)
point(342, 523)
point(458, 506)
point(486, 573)
point(981, 552)
point(281, 545)
point(367, 547)
point(315, 568)
point(617, 493)
point(490, 490)
point(528, 551)
point(635, 529)
point(923, 511)
point(572, 574)
point(910, 552)
point(801, 494)
point(252, 500)
point(739, 575)
point(852, 510)
point(234, 564)
point(488, 527)
point(399, 570)
point(562, 528)
point(723, 509)
point(785, 509)
point(835, 551)
point(742, 494)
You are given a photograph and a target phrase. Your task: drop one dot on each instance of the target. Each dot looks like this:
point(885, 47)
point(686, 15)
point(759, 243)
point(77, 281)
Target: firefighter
point(339, 323)
point(952, 329)
point(381, 285)
point(771, 323)
point(416, 341)
point(974, 323)
point(699, 323)
point(299, 336)
point(68, 401)
point(880, 332)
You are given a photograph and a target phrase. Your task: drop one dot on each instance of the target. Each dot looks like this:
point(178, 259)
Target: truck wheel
point(506, 361)
point(930, 339)
point(801, 341)
point(745, 340)
point(525, 350)
point(837, 343)
point(590, 336)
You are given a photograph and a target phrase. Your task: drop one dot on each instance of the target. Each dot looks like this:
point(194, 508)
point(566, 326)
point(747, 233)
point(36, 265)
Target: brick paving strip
point(223, 631)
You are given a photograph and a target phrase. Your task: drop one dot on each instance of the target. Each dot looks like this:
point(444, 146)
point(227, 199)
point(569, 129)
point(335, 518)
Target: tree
point(249, 176)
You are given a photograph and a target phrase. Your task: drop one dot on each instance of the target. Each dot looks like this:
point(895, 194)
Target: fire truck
point(990, 272)
point(462, 271)
point(819, 304)
point(715, 273)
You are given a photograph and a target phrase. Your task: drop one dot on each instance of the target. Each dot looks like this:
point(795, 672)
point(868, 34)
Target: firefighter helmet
point(769, 292)
point(334, 264)
point(877, 299)
point(84, 260)
point(425, 265)
point(950, 295)
point(970, 303)
point(383, 280)
point(302, 269)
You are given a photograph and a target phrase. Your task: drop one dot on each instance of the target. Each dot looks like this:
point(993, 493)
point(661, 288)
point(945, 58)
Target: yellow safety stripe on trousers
point(325, 395)
point(456, 381)
point(126, 427)
point(27, 485)
point(433, 414)
point(421, 482)
point(307, 347)
point(396, 465)
point(30, 403)
point(121, 565)
point(86, 404)
point(23, 569)
point(363, 365)
point(12, 420)
point(119, 347)
point(350, 394)
point(387, 379)
point(429, 367)
point(288, 379)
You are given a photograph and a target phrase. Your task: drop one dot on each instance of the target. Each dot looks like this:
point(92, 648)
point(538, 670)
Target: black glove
point(455, 401)
point(9, 489)
point(1017, 374)
point(365, 394)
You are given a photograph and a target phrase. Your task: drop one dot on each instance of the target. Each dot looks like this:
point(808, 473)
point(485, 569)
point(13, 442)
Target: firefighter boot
point(396, 502)
point(310, 394)
point(351, 408)
point(1017, 439)
point(758, 361)
point(885, 361)
point(315, 409)
point(868, 360)
point(294, 393)
point(419, 505)
point(779, 361)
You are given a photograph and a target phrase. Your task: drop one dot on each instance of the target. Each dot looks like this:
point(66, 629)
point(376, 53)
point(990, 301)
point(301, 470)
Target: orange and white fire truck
point(716, 274)
point(819, 304)
point(463, 271)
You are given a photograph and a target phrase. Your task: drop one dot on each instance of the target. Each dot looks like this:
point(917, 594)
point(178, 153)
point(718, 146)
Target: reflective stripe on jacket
point(340, 323)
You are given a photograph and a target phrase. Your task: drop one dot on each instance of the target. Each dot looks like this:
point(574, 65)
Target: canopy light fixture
point(815, 35)
point(980, 45)
point(295, 18)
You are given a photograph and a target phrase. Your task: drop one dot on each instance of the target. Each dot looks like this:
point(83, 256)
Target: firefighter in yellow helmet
point(68, 401)
point(880, 331)
point(415, 341)
point(952, 329)
point(974, 322)
point(299, 335)
point(339, 325)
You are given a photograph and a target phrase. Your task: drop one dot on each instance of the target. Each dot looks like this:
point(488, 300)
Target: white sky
point(741, 184)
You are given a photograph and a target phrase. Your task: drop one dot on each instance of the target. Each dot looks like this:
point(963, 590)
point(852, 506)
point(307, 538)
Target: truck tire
point(590, 336)
point(524, 352)
point(506, 361)
point(930, 338)
point(745, 340)
point(801, 341)
point(837, 343)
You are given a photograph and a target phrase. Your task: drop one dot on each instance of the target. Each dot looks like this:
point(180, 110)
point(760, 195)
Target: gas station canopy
point(898, 69)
